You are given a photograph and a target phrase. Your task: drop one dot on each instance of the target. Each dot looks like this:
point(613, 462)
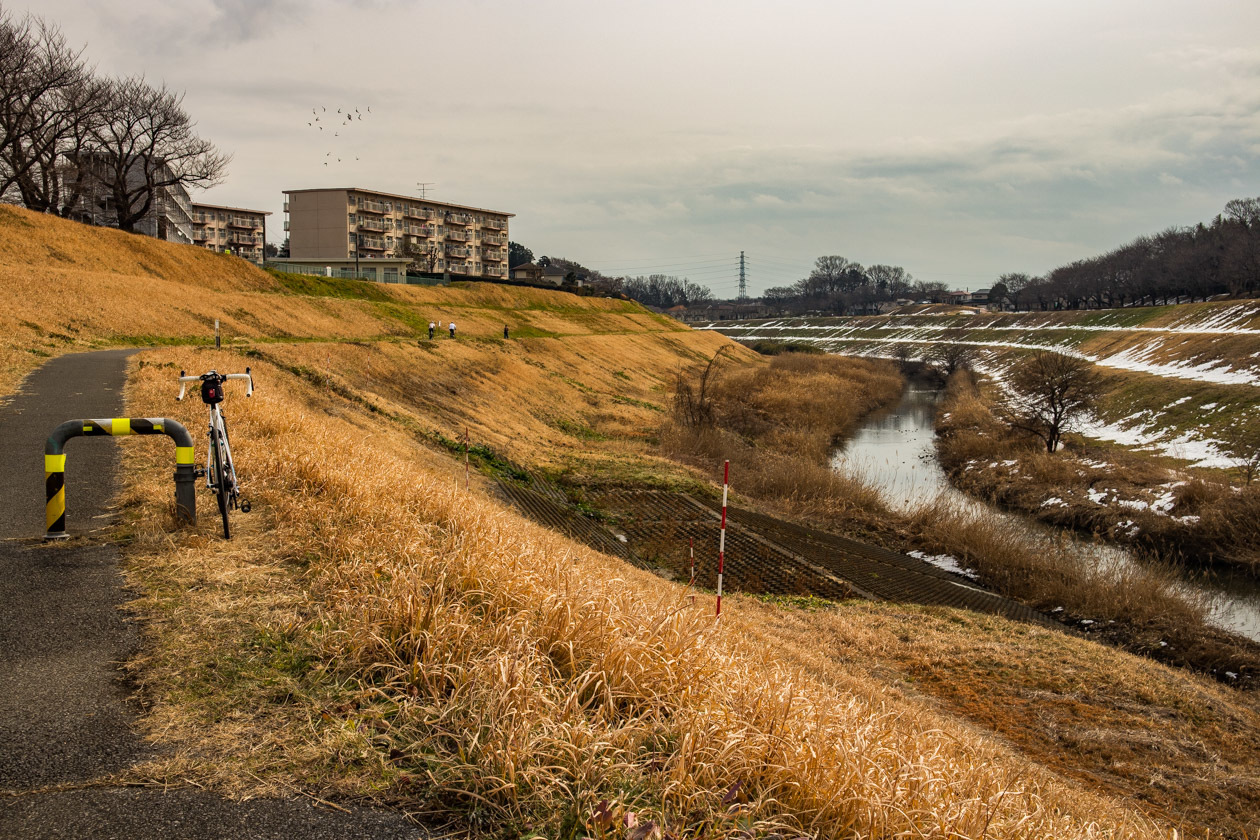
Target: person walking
point(432, 327)
point(452, 329)
point(505, 335)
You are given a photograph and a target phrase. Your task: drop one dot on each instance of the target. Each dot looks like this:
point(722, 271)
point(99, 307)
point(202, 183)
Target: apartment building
point(169, 216)
point(351, 223)
point(232, 229)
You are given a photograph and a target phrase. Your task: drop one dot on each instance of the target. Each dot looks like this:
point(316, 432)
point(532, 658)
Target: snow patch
point(944, 562)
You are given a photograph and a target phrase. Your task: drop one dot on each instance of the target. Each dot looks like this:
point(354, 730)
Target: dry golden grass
point(1206, 522)
point(777, 424)
point(586, 406)
point(375, 632)
point(383, 632)
point(68, 286)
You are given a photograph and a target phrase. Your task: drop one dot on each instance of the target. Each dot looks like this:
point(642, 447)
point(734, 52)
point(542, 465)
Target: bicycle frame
point(220, 470)
point(218, 426)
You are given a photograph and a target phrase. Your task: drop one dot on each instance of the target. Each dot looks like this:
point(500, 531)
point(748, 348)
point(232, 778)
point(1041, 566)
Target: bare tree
point(146, 145)
point(904, 356)
point(423, 256)
point(44, 87)
point(693, 406)
point(1051, 392)
point(951, 355)
point(1241, 443)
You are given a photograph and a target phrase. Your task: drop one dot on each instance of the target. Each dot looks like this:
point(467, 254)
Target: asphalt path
point(67, 715)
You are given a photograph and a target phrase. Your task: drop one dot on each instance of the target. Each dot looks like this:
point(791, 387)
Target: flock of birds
point(338, 122)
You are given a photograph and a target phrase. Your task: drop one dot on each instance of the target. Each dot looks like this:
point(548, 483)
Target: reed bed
point(455, 658)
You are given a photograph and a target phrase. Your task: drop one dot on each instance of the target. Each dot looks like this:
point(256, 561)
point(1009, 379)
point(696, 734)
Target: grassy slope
point(298, 637)
point(1140, 396)
point(69, 287)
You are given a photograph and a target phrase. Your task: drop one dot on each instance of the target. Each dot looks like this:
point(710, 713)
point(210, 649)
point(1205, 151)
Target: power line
point(673, 265)
point(671, 260)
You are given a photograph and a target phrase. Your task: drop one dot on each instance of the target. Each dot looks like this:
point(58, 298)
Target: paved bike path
point(65, 714)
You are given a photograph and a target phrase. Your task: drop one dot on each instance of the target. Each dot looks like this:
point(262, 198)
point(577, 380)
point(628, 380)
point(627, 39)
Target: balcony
point(199, 235)
point(244, 239)
point(418, 213)
point(459, 219)
point(457, 268)
point(492, 255)
point(372, 224)
point(244, 222)
point(495, 224)
point(372, 243)
point(374, 207)
point(458, 235)
point(458, 251)
point(286, 224)
point(286, 206)
point(419, 230)
point(492, 239)
point(494, 271)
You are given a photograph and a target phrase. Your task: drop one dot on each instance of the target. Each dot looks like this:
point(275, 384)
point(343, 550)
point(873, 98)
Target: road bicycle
point(219, 471)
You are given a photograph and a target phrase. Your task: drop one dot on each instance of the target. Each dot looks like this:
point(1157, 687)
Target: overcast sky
point(960, 140)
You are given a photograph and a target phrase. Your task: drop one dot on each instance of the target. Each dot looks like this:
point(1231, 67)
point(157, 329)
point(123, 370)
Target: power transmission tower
point(743, 286)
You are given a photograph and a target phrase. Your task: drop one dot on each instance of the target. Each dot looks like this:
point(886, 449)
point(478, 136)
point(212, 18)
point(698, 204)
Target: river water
point(896, 451)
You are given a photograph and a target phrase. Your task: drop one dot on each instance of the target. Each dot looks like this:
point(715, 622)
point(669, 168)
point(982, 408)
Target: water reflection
point(896, 451)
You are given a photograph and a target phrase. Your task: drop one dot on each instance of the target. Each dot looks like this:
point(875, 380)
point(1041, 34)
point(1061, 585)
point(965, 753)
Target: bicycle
point(220, 472)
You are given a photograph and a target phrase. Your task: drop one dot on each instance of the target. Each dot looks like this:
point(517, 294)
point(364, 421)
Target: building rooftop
point(403, 197)
point(225, 207)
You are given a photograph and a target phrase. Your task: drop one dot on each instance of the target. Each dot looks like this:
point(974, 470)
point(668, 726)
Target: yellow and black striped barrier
point(55, 464)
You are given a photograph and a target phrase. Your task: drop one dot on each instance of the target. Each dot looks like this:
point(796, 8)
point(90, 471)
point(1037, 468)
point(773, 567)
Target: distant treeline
point(843, 287)
point(1178, 264)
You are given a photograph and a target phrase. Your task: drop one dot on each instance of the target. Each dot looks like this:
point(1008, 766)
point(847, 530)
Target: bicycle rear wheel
point(222, 482)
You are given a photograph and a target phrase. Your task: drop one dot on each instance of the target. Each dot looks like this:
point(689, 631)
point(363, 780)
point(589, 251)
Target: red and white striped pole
point(726, 483)
point(691, 549)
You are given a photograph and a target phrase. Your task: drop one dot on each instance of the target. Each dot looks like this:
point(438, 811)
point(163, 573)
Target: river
point(896, 451)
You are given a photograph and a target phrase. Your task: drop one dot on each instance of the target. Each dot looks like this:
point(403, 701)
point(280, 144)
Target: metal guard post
point(55, 464)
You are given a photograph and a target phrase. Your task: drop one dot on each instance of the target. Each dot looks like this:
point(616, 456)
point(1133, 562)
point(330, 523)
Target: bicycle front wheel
point(222, 481)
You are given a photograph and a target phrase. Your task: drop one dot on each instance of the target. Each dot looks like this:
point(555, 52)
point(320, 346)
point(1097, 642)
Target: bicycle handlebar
point(223, 377)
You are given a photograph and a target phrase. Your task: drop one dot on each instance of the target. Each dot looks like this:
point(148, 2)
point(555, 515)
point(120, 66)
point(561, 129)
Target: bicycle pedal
point(245, 506)
point(199, 472)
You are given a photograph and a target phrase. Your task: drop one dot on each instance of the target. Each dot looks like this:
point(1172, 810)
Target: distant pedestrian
point(432, 327)
point(452, 329)
point(505, 331)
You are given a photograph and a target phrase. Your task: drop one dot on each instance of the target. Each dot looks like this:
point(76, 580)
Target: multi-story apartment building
point(354, 223)
point(232, 229)
point(169, 216)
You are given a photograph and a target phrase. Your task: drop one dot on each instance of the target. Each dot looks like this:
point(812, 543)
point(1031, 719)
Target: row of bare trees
point(1178, 264)
point(838, 285)
point(74, 143)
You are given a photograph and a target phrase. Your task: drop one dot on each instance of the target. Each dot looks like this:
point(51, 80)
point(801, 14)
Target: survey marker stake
point(726, 483)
